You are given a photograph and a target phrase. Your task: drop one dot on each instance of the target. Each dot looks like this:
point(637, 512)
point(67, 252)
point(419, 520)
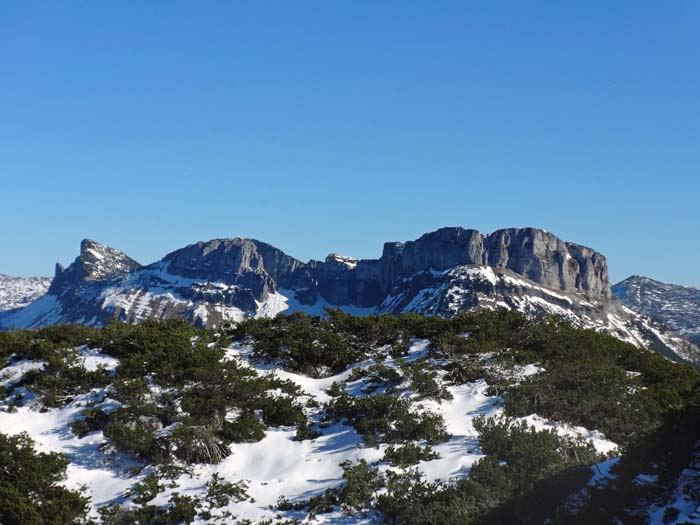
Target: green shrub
point(361, 482)
point(409, 454)
point(30, 486)
point(198, 444)
point(382, 417)
point(134, 436)
point(282, 411)
point(245, 429)
point(300, 343)
point(220, 492)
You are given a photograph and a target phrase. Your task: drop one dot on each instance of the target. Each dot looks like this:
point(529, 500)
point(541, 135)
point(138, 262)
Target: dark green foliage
point(525, 473)
point(91, 420)
point(30, 490)
point(198, 444)
point(169, 352)
point(180, 509)
point(424, 380)
point(134, 436)
point(300, 343)
point(144, 491)
point(171, 373)
point(384, 418)
point(530, 455)
point(39, 344)
point(376, 376)
point(664, 454)
point(198, 389)
point(61, 378)
point(409, 454)
point(585, 370)
point(282, 411)
point(221, 492)
point(361, 482)
point(335, 389)
point(305, 432)
point(244, 429)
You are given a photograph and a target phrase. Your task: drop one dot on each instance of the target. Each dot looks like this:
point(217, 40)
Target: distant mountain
point(441, 273)
point(676, 307)
point(17, 292)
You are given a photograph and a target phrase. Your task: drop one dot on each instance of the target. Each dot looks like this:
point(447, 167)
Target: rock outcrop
point(96, 262)
point(440, 273)
point(532, 253)
point(676, 307)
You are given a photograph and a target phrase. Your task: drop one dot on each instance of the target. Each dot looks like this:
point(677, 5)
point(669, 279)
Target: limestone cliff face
point(440, 273)
point(247, 263)
point(242, 273)
point(533, 253)
point(227, 258)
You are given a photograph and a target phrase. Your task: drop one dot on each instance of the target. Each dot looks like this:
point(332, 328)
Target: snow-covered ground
point(277, 466)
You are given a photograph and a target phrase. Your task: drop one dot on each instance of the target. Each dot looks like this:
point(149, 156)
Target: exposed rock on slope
point(441, 273)
point(17, 292)
point(676, 307)
point(96, 262)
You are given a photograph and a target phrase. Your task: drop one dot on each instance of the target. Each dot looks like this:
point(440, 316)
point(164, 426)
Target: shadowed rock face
point(247, 263)
point(251, 271)
point(440, 273)
point(224, 259)
point(532, 253)
point(96, 262)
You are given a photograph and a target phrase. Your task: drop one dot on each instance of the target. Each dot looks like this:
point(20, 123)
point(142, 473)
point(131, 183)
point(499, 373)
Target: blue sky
point(335, 126)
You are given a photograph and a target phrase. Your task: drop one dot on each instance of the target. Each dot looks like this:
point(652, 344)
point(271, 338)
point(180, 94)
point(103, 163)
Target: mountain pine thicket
point(175, 390)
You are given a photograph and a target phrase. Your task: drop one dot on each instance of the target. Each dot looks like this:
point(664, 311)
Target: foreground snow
point(277, 466)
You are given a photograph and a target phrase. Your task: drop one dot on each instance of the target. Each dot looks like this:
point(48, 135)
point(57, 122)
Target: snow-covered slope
point(18, 292)
point(676, 307)
point(277, 467)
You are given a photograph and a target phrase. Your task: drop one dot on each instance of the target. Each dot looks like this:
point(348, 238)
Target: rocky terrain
point(676, 307)
point(18, 292)
point(441, 273)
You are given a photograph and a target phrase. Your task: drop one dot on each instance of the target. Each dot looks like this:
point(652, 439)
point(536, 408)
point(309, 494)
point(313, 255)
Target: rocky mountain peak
point(343, 260)
point(100, 261)
point(676, 307)
point(532, 252)
point(227, 260)
point(96, 262)
point(441, 273)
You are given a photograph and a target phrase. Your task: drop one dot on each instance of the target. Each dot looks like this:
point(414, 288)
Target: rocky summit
point(441, 273)
point(676, 307)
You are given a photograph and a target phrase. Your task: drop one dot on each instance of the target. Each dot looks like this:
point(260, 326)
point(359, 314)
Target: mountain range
point(441, 273)
point(18, 292)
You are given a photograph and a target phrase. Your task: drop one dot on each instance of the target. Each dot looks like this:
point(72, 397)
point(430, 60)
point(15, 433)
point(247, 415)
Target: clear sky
point(338, 125)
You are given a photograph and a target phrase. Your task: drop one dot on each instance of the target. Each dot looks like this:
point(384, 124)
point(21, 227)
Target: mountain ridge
point(18, 292)
point(675, 306)
point(442, 273)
